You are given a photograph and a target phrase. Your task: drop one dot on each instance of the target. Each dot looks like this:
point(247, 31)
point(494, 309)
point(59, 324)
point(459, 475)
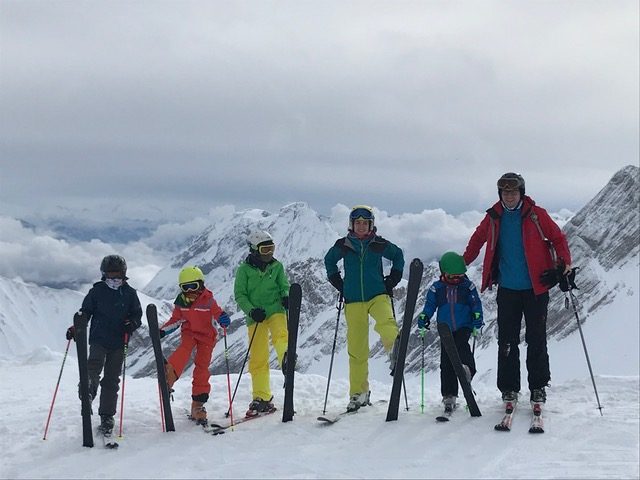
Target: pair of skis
point(537, 422)
point(415, 276)
point(293, 320)
point(80, 327)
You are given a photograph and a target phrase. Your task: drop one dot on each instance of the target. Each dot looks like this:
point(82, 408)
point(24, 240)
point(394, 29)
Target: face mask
point(113, 283)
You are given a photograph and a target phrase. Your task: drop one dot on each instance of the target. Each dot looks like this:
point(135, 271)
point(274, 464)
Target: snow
point(578, 443)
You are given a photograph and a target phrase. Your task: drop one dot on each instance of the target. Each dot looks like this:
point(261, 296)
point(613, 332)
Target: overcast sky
point(403, 105)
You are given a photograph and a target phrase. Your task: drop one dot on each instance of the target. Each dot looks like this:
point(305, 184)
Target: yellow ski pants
point(276, 325)
point(357, 315)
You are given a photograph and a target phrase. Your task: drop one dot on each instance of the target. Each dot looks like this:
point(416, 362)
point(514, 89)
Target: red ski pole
point(55, 392)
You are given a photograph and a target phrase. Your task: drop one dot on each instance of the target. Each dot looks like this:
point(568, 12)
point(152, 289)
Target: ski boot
point(258, 406)
point(106, 424)
point(358, 400)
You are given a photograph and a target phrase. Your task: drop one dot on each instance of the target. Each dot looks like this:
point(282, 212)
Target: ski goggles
point(361, 213)
point(454, 276)
point(266, 249)
point(509, 184)
point(190, 286)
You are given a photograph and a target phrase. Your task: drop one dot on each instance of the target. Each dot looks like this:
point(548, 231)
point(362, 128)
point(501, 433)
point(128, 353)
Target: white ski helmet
point(257, 237)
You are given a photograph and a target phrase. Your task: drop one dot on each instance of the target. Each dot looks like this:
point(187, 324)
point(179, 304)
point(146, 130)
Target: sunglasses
point(190, 287)
point(509, 184)
point(266, 249)
point(361, 213)
point(114, 275)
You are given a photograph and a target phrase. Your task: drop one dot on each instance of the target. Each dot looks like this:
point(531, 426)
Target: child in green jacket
point(261, 290)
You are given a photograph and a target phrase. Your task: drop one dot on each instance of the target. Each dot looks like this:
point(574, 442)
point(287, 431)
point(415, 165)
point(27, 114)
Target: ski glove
point(224, 320)
point(551, 277)
point(71, 333)
point(568, 280)
point(391, 280)
point(337, 282)
point(477, 321)
point(129, 326)
point(258, 314)
point(285, 302)
point(423, 321)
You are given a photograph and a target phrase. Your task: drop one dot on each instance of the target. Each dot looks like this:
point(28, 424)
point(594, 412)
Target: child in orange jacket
point(194, 311)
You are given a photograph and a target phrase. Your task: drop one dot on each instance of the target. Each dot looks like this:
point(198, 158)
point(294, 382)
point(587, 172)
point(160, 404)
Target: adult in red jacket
point(521, 240)
point(194, 311)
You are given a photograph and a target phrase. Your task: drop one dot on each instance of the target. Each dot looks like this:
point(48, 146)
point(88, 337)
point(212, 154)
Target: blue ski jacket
point(456, 304)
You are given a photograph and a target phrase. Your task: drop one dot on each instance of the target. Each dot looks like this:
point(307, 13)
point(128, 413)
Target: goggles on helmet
point(509, 184)
point(266, 249)
point(361, 213)
point(190, 287)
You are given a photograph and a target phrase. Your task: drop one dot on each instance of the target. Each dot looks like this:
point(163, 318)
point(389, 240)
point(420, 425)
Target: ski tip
point(502, 428)
point(442, 419)
point(536, 430)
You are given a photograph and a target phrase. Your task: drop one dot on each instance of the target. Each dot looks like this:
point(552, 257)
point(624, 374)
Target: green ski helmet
point(452, 263)
point(190, 274)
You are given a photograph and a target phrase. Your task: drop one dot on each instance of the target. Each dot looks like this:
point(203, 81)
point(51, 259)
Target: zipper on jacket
point(452, 296)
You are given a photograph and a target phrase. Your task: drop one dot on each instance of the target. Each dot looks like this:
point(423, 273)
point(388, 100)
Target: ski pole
point(333, 351)
point(226, 360)
point(584, 345)
point(55, 392)
point(422, 373)
point(124, 369)
point(242, 369)
point(404, 387)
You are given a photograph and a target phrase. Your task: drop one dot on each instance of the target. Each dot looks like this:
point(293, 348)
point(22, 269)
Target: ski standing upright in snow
point(415, 277)
point(452, 352)
point(80, 326)
point(293, 320)
point(154, 333)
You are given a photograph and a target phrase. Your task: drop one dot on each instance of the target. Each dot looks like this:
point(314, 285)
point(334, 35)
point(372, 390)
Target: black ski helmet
point(511, 181)
point(113, 263)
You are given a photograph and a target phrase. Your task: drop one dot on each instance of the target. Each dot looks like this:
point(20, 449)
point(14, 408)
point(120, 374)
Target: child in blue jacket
point(456, 299)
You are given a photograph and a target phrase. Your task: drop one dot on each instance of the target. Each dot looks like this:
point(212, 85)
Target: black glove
point(258, 314)
point(337, 282)
point(551, 277)
point(391, 280)
point(163, 334)
point(285, 302)
point(71, 333)
point(568, 280)
point(129, 326)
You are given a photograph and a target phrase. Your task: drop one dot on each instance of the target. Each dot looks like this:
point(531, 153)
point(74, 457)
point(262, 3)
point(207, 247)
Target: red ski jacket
point(536, 249)
point(196, 319)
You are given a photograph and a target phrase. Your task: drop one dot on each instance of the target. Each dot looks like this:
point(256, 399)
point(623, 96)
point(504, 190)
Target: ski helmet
point(362, 211)
point(452, 263)
point(190, 274)
point(511, 181)
point(257, 238)
point(113, 263)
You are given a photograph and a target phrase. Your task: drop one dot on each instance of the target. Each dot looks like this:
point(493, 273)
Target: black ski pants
point(448, 378)
point(111, 361)
point(512, 305)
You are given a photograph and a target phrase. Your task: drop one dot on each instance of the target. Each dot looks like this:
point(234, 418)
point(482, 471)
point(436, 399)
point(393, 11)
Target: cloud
point(45, 260)
point(321, 102)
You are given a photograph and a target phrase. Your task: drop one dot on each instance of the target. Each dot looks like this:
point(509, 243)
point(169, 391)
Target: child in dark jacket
point(113, 308)
point(458, 304)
